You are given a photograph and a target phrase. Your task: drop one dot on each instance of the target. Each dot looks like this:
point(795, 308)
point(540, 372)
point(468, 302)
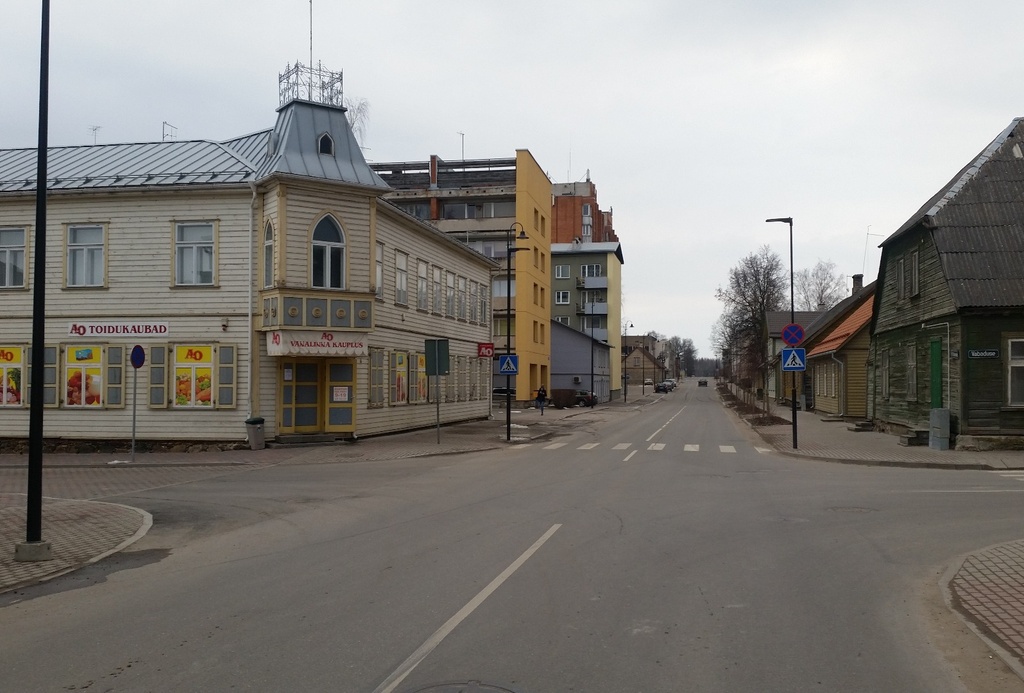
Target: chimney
point(858, 283)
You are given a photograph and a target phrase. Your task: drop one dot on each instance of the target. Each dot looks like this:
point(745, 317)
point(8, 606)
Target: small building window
point(326, 144)
point(268, 256)
point(1015, 373)
point(328, 268)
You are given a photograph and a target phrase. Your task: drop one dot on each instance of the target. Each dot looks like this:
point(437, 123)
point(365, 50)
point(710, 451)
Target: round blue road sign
point(792, 334)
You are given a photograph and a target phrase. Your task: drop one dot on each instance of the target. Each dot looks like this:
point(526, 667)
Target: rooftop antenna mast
point(310, 47)
point(94, 129)
point(864, 263)
point(168, 132)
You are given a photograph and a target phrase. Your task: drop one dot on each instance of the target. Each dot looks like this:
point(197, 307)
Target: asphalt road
point(651, 550)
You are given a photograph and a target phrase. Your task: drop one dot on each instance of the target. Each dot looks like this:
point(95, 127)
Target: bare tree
point(755, 287)
point(820, 287)
point(358, 114)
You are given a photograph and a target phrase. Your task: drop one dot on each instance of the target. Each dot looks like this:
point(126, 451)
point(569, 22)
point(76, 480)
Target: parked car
point(703, 382)
point(662, 387)
point(648, 381)
point(585, 398)
point(672, 384)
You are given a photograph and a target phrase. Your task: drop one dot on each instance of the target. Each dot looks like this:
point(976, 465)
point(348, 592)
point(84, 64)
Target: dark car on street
point(585, 398)
point(662, 387)
point(703, 382)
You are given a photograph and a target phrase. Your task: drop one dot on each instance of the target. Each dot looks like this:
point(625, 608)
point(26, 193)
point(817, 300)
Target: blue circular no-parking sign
point(792, 334)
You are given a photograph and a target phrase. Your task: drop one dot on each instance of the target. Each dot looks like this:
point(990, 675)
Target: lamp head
point(785, 220)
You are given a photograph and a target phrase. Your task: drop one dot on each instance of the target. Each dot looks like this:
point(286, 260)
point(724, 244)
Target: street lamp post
point(508, 321)
point(593, 392)
point(625, 370)
point(792, 311)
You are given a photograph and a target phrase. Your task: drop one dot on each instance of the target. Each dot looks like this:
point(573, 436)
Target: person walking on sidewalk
point(542, 396)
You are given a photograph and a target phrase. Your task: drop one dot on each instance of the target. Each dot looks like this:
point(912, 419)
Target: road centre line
point(406, 667)
point(665, 425)
point(629, 456)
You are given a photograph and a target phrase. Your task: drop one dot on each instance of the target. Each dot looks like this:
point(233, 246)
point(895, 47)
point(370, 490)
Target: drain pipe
point(842, 383)
point(949, 348)
point(248, 310)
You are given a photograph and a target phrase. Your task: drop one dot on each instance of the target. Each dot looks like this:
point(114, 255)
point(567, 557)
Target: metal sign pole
point(135, 405)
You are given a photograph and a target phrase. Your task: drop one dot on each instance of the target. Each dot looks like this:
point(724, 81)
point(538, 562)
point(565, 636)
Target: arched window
point(268, 256)
point(328, 255)
point(326, 144)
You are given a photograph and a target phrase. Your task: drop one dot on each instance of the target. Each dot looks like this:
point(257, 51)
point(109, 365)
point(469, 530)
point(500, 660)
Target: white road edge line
point(406, 667)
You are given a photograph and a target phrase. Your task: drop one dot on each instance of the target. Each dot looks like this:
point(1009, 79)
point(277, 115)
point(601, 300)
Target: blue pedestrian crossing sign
point(794, 359)
point(508, 364)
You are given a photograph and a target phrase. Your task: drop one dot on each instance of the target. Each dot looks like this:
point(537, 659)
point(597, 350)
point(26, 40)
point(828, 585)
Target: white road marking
point(691, 448)
point(406, 667)
point(726, 448)
point(629, 456)
point(588, 446)
point(554, 446)
point(656, 446)
point(666, 424)
point(763, 450)
point(622, 446)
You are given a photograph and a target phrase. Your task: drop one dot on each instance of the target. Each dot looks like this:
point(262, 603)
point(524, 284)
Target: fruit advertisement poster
point(193, 376)
point(84, 377)
point(11, 387)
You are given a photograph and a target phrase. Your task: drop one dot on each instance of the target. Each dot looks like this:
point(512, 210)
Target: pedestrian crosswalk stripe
point(554, 446)
point(588, 446)
point(622, 446)
point(691, 448)
point(726, 448)
point(763, 450)
point(656, 446)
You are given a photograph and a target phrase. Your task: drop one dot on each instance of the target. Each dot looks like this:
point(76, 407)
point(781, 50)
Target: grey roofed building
point(977, 223)
point(238, 161)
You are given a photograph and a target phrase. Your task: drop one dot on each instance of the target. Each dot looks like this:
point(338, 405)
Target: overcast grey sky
point(696, 120)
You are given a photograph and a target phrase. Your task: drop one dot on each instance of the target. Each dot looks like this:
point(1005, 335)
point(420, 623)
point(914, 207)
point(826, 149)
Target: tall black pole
point(593, 390)
point(792, 311)
point(508, 324)
point(34, 518)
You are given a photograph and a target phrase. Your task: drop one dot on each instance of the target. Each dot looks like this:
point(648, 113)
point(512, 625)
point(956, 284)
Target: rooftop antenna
point(864, 263)
point(168, 132)
point(94, 129)
point(310, 47)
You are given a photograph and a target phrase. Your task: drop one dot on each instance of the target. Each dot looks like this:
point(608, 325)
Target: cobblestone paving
point(78, 532)
point(990, 587)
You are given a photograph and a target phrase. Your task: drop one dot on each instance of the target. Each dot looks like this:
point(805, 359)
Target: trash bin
point(254, 429)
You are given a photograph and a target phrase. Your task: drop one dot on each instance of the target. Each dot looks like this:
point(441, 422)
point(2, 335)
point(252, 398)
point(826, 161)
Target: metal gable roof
point(124, 166)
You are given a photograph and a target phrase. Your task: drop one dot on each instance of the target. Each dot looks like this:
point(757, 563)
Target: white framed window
point(586, 209)
point(328, 260)
point(401, 278)
point(449, 297)
point(194, 254)
point(379, 276)
point(562, 272)
point(462, 298)
point(422, 296)
point(1015, 373)
point(93, 376)
point(562, 298)
point(12, 258)
point(484, 317)
point(85, 255)
point(474, 301)
point(590, 271)
point(438, 298)
point(564, 319)
point(268, 256)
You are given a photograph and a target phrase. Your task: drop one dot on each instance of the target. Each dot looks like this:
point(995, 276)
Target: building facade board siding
point(933, 298)
point(988, 410)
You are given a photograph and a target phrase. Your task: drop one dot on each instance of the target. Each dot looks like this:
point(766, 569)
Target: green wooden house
point(948, 323)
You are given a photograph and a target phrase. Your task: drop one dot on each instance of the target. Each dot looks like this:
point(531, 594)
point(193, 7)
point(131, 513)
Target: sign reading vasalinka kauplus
point(117, 329)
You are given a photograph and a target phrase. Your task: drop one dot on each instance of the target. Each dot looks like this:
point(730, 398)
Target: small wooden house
point(948, 324)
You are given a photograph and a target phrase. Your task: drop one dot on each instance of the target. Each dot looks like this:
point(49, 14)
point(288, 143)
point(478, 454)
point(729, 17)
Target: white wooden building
point(263, 276)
